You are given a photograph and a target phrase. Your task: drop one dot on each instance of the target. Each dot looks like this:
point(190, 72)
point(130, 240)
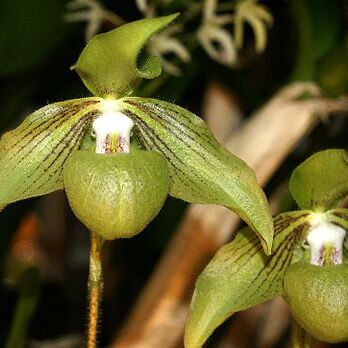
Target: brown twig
point(158, 318)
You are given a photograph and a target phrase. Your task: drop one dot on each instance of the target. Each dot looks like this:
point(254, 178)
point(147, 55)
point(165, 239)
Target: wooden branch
point(262, 326)
point(275, 324)
point(221, 111)
point(158, 318)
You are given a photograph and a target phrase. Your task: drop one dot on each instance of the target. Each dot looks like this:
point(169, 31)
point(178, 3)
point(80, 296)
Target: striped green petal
point(339, 216)
point(201, 170)
point(240, 276)
point(32, 155)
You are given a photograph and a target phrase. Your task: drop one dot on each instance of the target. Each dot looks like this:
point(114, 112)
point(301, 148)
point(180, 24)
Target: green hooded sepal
point(321, 182)
point(116, 195)
point(111, 64)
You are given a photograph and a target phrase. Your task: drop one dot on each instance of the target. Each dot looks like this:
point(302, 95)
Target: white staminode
point(112, 124)
point(325, 236)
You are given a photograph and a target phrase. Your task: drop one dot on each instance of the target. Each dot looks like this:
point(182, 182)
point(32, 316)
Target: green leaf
point(32, 156)
point(321, 181)
point(240, 276)
point(201, 170)
point(111, 63)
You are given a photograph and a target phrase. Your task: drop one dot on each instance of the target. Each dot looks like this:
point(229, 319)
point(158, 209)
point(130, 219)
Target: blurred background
point(271, 80)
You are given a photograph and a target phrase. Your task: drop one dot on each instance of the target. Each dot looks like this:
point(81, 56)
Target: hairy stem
point(95, 287)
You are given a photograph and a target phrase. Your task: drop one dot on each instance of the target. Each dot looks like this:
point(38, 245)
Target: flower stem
point(300, 338)
point(95, 287)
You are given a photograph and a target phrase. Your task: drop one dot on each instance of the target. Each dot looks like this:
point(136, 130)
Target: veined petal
point(241, 276)
point(339, 216)
point(32, 155)
point(201, 170)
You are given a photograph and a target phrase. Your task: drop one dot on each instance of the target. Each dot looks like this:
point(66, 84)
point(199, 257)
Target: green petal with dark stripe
point(32, 155)
point(201, 170)
point(240, 276)
point(339, 216)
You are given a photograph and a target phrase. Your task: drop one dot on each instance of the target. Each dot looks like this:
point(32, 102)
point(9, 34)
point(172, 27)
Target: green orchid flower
point(308, 265)
point(54, 145)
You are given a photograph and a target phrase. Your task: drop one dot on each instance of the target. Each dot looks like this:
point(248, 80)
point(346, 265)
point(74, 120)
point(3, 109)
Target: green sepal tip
point(113, 64)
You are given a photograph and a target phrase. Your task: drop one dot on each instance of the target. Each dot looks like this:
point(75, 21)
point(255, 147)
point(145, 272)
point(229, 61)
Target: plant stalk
point(95, 287)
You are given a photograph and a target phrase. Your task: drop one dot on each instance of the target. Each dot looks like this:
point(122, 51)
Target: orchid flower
point(217, 41)
point(92, 12)
point(165, 43)
point(148, 9)
point(258, 16)
point(308, 264)
point(34, 156)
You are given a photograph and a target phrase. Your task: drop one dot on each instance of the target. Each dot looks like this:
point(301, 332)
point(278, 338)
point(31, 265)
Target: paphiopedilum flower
point(165, 43)
point(92, 12)
point(34, 156)
point(308, 265)
point(257, 16)
point(215, 39)
point(147, 8)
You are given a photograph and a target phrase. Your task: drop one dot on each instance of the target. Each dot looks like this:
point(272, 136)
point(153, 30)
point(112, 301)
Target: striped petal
point(339, 216)
point(201, 170)
point(241, 276)
point(32, 155)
